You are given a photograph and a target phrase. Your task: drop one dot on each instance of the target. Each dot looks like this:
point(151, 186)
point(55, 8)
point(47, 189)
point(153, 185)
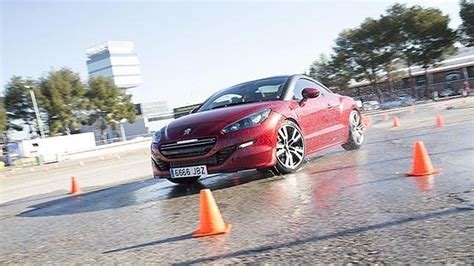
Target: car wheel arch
point(293, 120)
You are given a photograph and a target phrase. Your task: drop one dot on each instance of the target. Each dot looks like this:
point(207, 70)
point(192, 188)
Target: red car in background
point(266, 124)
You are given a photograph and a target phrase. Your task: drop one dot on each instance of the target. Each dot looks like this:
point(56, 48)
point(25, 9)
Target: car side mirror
point(308, 93)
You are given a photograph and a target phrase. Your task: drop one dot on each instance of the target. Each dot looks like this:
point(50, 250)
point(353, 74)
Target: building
point(116, 60)
point(153, 115)
point(151, 109)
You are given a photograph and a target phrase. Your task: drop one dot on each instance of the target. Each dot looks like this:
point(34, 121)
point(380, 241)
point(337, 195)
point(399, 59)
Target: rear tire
point(356, 133)
point(290, 150)
point(184, 181)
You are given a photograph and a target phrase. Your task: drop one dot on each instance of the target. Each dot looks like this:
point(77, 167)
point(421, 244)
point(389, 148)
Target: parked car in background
point(406, 100)
point(371, 105)
point(400, 101)
point(11, 153)
point(447, 92)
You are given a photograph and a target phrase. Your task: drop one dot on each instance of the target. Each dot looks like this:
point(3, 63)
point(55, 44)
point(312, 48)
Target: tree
point(330, 72)
point(431, 36)
point(424, 36)
point(19, 106)
point(387, 32)
point(366, 50)
point(320, 70)
point(418, 36)
point(3, 118)
point(62, 96)
point(109, 105)
point(466, 30)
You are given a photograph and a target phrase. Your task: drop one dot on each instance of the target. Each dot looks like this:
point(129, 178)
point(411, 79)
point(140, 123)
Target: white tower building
point(116, 60)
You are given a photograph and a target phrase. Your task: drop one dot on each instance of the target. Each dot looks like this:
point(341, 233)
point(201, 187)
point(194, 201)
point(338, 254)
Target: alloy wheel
point(290, 146)
point(357, 129)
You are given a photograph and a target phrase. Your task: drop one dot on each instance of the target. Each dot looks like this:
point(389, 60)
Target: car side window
point(302, 84)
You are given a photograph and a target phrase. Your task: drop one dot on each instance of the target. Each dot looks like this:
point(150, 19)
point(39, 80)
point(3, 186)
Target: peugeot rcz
point(266, 124)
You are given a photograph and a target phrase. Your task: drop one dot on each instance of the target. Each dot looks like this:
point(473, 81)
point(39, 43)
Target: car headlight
point(156, 136)
point(249, 121)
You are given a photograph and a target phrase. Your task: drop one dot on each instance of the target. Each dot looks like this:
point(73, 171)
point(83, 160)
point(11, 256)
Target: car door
point(335, 125)
point(313, 115)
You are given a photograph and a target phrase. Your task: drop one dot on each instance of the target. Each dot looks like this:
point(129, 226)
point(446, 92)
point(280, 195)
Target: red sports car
point(265, 124)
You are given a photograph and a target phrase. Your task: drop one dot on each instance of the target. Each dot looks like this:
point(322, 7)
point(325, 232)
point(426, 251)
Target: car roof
point(278, 76)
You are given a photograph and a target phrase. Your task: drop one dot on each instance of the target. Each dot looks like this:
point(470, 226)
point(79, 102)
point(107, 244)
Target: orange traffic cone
point(421, 161)
point(210, 216)
point(439, 120)
point(396, 121)
point(74, 187)
point(385, 117)
point(365, 122)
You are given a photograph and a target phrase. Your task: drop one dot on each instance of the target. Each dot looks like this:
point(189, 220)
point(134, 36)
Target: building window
point(453, 75)
point(438, 77)
point(470, 72)
point(420, 80)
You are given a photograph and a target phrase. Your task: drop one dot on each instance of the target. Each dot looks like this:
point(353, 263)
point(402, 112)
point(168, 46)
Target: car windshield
point(250, 92)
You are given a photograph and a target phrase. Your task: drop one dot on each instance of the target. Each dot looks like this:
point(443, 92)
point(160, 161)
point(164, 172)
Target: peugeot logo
point(187, 131)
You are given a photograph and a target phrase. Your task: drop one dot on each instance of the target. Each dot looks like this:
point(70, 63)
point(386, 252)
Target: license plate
point(200, 170)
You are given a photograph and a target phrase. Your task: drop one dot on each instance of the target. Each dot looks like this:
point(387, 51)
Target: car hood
point(209, 123)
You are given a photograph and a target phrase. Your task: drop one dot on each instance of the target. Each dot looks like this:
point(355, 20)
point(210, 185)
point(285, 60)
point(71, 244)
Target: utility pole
point(35, 107)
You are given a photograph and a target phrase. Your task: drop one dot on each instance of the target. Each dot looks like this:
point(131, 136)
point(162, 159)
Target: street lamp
point(35, 107)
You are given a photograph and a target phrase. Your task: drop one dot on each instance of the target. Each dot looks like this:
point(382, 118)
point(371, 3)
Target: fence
point(119, 139)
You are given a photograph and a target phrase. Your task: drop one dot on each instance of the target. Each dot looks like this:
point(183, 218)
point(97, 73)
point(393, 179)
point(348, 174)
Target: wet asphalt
point(341, 207)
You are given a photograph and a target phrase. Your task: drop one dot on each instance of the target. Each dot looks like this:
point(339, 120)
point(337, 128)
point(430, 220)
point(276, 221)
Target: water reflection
point(317, 185)
point(327, 185)
point(139, 192)
point(424, 183)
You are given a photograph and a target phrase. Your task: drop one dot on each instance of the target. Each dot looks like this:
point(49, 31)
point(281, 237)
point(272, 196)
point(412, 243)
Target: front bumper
point(226, 155)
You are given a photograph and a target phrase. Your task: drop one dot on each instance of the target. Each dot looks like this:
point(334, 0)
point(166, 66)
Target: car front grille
point(187, 149)
point(216, 159)
point(161, 164)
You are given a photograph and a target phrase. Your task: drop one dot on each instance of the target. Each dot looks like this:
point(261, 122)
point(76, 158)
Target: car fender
point(287, 113)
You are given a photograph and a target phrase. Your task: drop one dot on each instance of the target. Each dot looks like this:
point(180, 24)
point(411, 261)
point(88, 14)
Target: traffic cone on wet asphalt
point(366, 121)
point(211, 221)
point(421, 161)
point(74, 187)
point(396, 121)
point(439, 120)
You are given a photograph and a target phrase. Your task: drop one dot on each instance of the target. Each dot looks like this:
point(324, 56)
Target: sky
point(187, 50)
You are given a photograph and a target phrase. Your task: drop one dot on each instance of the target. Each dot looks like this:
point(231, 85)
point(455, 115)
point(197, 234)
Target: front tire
point(290, 149)
point(184, 181)
point(356, 132)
